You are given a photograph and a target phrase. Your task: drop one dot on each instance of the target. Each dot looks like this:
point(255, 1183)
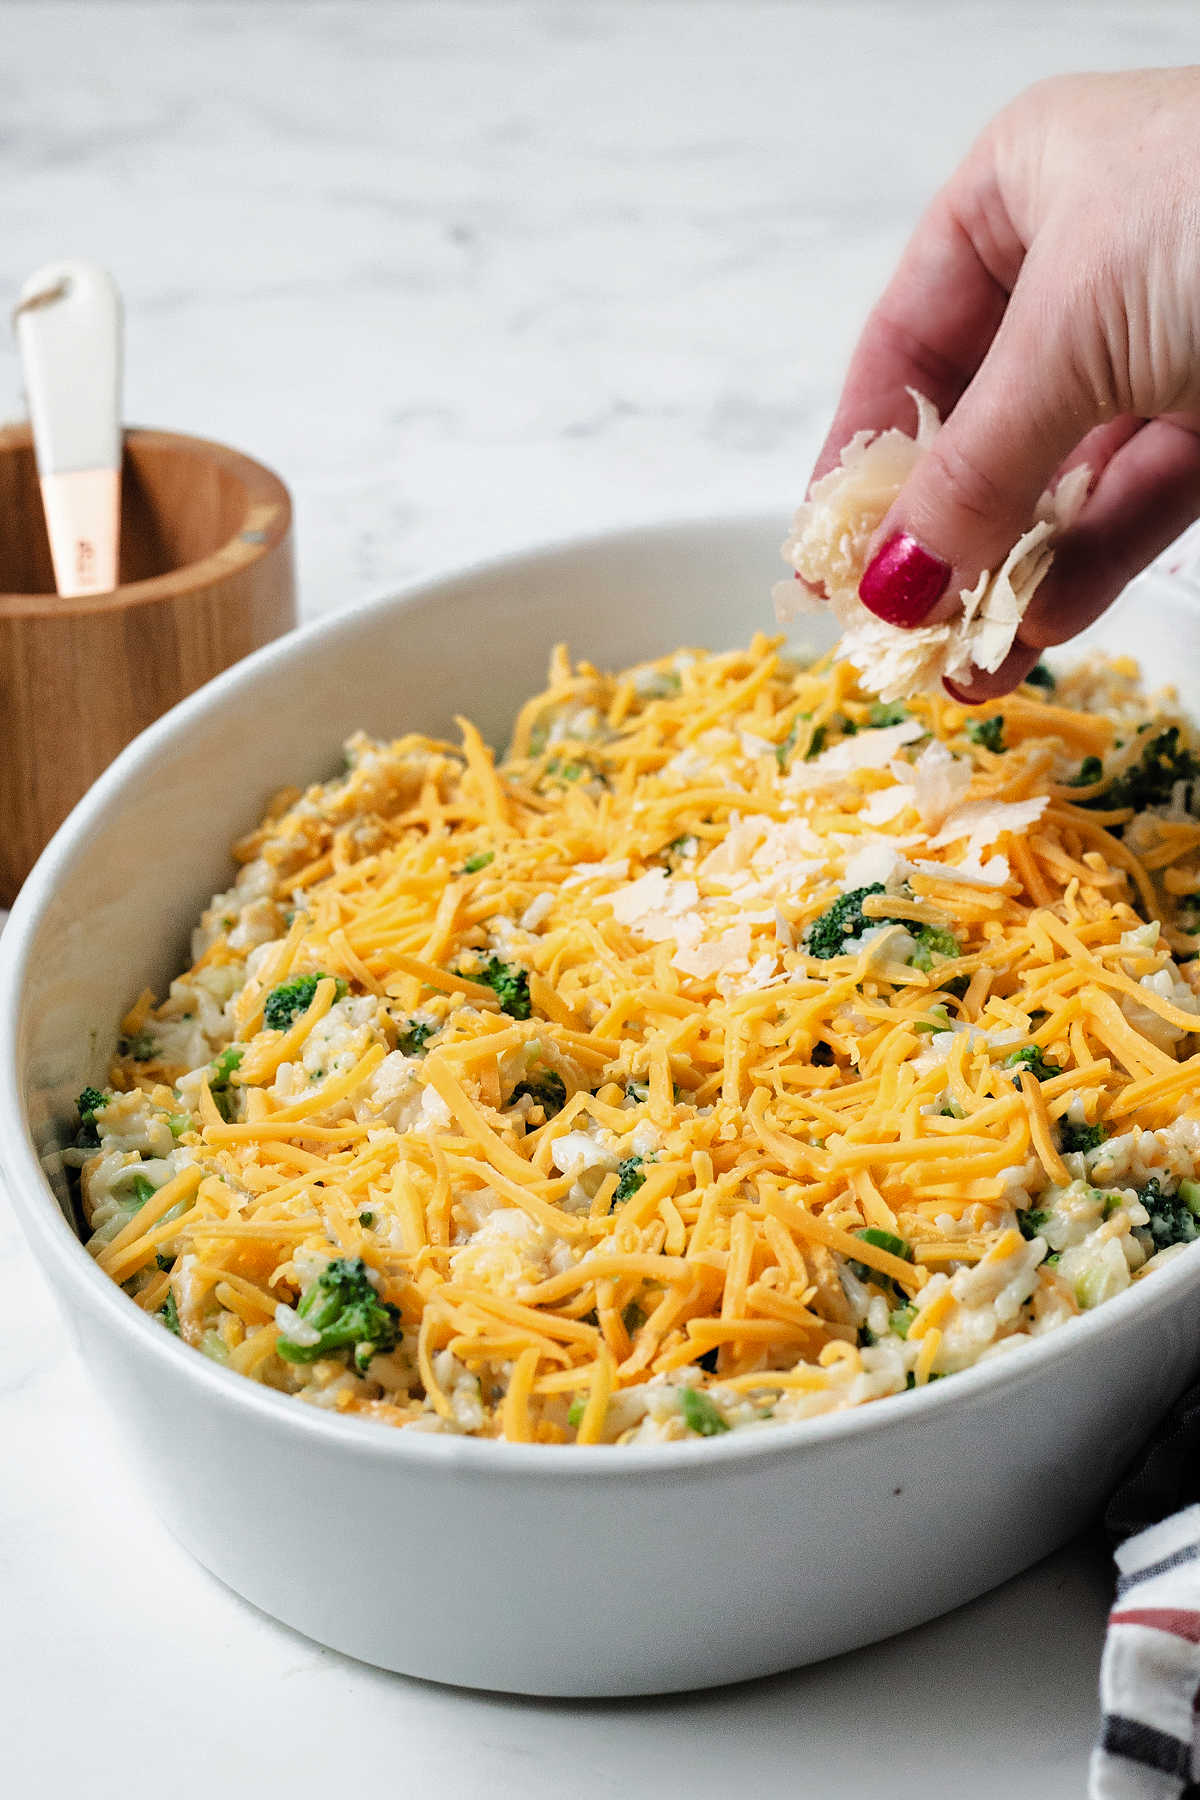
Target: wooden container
point(206, 577)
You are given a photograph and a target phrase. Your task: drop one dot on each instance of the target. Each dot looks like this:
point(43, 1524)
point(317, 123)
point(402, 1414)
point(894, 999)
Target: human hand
point(1049, 304)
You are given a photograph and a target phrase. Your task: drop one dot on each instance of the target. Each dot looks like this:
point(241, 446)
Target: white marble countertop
point(470, 276)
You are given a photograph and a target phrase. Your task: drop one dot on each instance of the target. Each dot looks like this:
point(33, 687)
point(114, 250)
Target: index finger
point(932, 326)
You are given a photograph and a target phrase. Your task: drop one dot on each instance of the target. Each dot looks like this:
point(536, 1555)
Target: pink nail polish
point(902, 581)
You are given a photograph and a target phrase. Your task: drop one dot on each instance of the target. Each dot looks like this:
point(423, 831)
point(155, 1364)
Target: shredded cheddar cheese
point(737, 1048)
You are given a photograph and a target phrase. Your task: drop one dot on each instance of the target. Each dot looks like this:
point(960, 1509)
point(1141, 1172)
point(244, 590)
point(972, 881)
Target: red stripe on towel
point(1176, 1620)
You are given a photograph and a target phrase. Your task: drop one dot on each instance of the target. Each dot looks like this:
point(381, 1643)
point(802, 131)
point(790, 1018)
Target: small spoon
point(69, 332)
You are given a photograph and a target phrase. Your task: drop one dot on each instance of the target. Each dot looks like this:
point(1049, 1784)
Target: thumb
point(974, 492)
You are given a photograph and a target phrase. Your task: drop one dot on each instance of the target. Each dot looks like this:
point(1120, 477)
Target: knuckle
point(972, 491)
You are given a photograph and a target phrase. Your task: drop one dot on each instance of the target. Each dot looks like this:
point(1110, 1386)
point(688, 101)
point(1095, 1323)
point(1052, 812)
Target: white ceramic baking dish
point(534, 1569)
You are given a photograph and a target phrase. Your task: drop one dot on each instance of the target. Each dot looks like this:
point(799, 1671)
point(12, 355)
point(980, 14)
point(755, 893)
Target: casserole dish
point(530, 1568)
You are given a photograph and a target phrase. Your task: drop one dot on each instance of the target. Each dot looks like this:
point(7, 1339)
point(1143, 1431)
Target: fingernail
point(902, 581)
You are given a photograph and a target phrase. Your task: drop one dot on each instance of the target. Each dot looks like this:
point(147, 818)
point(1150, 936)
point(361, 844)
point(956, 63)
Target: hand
point(1049, 304)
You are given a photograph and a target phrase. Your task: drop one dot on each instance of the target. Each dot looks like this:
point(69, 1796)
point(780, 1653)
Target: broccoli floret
point(168, 1312)
point(1041, 677)
point(827, 935)
point(987, 733)
point(630, 1178)
point(480, 860)
point(139, 1048)
point(413, 1036)
point(1030, 1221)
point(1080, 1138)
point(549, 1092)
point(1090, 771)
point(931, 941)
point(700, 1413)
point(291, 998)
point(343, 1306)
point(902, 1318)
point(1149, 782)
point(89, 1103)
point(1173, 1217)
point(1033, 1059)
point(816, 743)
point(509, 984)
point(822, 1056)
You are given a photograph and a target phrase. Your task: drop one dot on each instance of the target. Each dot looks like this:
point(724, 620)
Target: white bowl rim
point(24, 1176)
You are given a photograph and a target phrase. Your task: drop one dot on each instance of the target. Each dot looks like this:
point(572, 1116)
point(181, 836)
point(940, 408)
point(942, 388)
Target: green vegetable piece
point(1090, 770)
point(162, 1261)
point(816, 743)
point(822, 1056)
point(1151, 781)
point(987, 733)
point(1089, 1288)
point(1079, 1138)
point(827, 935)
point(938, 1019)
point(89, 1103)
point(343, 1306)
point(142, 1189)
point(575, 1413)
point(366, 1220)
point(1030, 1220)
point(783, 751)
point(413, 1036)
point(1189, 1193)
point(883, 714)
point(221, 1070)
point(700, 1413)
point(168, 1312)
point(931, 941)
point(1041, 677)
point(631, 1178)
point(480, 860)
point(139, 1048)
point(549, 1092)
point(1031, 1057)
point(1172, 1218)
point(882, 1240)
point(509, 984)
point(179, 1123)
point(286, 1002)
point(901, 1319)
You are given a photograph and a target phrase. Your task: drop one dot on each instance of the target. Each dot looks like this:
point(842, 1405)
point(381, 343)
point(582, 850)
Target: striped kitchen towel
point(1150, 1672)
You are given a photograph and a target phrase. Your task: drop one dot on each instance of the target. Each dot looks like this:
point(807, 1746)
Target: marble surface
point(471, 276)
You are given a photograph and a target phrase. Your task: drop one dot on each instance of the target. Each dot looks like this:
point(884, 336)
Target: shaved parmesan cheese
point(617, 870)
point(972, 873)
point(866, 750)
point(829, 545)
point(938, 781)
point(650, 895)
point(718, 953)
point(874, 862)
point(981, 822)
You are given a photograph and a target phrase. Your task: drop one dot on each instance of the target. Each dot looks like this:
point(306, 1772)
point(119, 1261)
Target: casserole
point(528, 1567)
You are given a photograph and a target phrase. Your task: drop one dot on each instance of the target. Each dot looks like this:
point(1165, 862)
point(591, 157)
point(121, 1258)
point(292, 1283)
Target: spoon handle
point(68, 324)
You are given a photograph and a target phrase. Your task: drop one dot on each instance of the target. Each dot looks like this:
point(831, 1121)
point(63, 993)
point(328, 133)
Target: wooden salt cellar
point(206, 577)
